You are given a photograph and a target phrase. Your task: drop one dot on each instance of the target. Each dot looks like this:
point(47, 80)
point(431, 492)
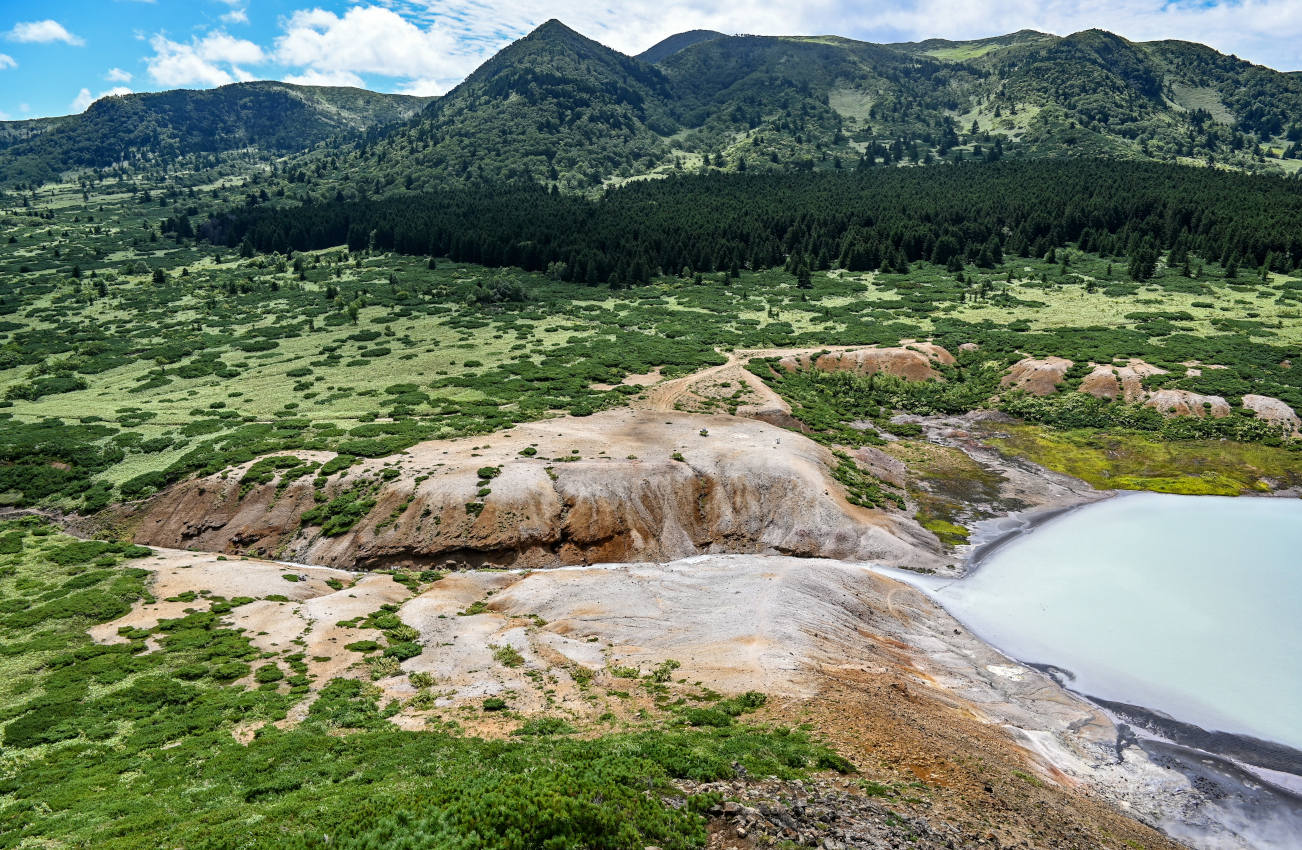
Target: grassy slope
point(451, 366)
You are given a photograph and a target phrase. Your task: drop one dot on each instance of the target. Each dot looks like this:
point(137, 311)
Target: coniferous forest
point(869, 220)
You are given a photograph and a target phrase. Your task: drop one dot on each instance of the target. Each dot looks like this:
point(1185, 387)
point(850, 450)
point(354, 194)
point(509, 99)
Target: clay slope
point(618, 486)
point(914, 361)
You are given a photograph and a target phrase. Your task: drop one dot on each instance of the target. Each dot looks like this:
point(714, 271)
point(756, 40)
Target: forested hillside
point(563, 110)
point(275, 117)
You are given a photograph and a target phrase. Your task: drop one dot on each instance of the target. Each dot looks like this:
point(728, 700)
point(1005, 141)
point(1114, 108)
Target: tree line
point(867, 220)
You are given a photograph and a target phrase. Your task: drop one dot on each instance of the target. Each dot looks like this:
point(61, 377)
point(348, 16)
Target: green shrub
point(268, 673)
point(507, 656)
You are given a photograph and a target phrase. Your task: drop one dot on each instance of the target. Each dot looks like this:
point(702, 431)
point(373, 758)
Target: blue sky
point(57, 56)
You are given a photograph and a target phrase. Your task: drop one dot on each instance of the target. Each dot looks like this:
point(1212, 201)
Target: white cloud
point(117, 75)
point(7, 62)
point(211, 60)
point(84, 98)
point(374, 40)
point(326, 78)
point(43, 32)
point(236, 16)
point(220, 47)
point(424, 87)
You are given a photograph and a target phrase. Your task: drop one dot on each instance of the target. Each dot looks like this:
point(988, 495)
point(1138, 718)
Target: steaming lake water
point(1186, 605)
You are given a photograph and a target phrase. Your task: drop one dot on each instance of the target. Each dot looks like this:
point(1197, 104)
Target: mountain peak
point(681, 41)
point(552, 28)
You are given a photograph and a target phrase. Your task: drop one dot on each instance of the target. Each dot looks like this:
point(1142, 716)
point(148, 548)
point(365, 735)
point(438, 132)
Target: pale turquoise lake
point(1189, 606)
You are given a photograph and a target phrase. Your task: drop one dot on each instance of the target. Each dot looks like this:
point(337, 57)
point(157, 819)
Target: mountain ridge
point(272, 115)
point(559, 108)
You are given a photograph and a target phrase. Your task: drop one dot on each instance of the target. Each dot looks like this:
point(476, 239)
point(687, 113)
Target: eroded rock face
point(619, 486)
point(915, 362)
point(1186, 403)
point(1127, 384)
point(1274, 411)
point(1037, 376)
point(879, 464)
point(1123, 382)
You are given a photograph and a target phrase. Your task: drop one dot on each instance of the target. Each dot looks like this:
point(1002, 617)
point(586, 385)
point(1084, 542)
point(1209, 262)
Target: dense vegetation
point(275, 117)
point(883, 219)
point(560, 109)
point(203, 292)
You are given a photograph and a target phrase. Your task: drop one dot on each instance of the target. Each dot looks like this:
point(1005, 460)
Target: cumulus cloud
point(236, 16)
point(43, 32)
point(7, 62)
point(326, 78)
point(117, 75)
point(84, 98)
point(213, 60)
point(374, 40)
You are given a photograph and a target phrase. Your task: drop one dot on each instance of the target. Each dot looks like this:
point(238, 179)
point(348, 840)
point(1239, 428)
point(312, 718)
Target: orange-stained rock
point(915, 362)
point(1037, 376)
point(1124, 382)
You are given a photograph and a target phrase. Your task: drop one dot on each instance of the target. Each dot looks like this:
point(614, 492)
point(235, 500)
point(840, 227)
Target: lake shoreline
point(1250, 779)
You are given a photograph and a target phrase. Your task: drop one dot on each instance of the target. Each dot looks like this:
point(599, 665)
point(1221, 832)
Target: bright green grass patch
point(1129, 461)
point(950, 534)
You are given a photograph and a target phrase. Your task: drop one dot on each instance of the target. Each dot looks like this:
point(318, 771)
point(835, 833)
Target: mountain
point(562, 109)
point(558, 108)
point(668, 47)
point(275, 117)
point(553, 106)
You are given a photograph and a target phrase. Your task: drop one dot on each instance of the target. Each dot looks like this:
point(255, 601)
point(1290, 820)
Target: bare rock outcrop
point(1123, 382)
point(879, 464)
point(1127, 384)
point(1273, 410)
point(1036, 375)
point(618, 486)
point(914, 362)
point(1186, 403)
